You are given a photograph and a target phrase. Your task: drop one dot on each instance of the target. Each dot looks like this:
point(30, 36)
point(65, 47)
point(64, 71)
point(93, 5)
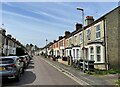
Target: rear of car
point(10, 67)
point(28, 59)
point(24, 60)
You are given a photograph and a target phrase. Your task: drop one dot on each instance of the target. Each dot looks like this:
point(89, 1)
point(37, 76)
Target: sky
point(34, 22)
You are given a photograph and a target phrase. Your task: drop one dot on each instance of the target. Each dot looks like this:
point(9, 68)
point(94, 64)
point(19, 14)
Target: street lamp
point(83, 35)
point(46, 47)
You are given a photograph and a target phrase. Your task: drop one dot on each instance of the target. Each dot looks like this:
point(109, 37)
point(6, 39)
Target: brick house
point(8, 44)
point(101, 38)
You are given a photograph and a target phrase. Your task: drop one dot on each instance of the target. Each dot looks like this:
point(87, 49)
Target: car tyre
point(17, 78)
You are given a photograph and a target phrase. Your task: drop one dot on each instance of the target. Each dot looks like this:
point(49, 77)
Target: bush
point(88, 72)
point(20, 51)
point(101, 72)
point(112, 71)
point(118, 82)
point(104, 72)
point(2, 54)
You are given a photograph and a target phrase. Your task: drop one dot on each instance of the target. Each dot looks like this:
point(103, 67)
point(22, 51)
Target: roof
point(101, 18)
point(9, 57)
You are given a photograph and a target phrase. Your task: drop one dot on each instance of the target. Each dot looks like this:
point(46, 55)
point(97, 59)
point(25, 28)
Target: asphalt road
point(41, 73)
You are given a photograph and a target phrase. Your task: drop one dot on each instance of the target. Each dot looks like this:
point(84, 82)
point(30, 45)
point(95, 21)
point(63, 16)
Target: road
point(40, 72)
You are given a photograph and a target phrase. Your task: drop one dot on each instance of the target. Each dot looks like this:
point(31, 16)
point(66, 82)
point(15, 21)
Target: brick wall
point(112, 38)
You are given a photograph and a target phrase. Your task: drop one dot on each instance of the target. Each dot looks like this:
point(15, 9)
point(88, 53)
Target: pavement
point(94, 80)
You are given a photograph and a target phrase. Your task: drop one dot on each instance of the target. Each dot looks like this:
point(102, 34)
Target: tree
point(20, 51)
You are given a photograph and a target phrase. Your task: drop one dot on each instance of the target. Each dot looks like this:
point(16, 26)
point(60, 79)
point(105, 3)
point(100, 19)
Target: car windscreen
point(6, 60)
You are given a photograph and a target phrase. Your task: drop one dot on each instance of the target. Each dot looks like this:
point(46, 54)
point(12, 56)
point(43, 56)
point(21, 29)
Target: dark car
point(10, 67)
point(25, 61)
point(28, 59)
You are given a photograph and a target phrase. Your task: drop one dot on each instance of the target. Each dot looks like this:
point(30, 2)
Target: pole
point(83, 36)
point(83, 39)
point(46, 48)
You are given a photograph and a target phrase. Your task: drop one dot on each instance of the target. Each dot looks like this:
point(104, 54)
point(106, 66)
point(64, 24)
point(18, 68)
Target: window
point(78, 53)
point(81, 37)
point(75, 39)
point(6, 41)
point(98, 31)
point(91, 53)
point(67, 43)
point(98, 50)
point(74, 53)
point(62, 52)
point(70, 42)
point(88, 34)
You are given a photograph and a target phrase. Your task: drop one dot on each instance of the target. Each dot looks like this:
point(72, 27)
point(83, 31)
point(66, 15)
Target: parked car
point(11, 67)
point(28, 59)
point(25, 62)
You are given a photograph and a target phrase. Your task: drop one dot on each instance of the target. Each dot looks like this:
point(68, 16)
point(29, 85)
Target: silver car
point(10, 67)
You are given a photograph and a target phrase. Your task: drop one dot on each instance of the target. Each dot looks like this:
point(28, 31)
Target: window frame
point(98, 54)
point(97, 30)
point(88, 34)
point(92, 53)
point(81, 37)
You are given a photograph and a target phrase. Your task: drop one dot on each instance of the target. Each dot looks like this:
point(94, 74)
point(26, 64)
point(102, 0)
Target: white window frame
point(88, 34)
point(98, 54)
point(97, 31)
point(91, 54)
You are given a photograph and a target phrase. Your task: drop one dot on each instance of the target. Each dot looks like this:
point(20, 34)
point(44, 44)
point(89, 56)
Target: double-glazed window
point(91, 53)
point(98, 31)
point(98, 52)
point(88, 34)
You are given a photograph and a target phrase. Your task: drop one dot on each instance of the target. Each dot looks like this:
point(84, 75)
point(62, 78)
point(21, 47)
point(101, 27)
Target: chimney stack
point(67, 33)
point(60, 37)
point(3, 31)
point(54, 41)
point(78, 26)
point(9, 35)
point(89, 20)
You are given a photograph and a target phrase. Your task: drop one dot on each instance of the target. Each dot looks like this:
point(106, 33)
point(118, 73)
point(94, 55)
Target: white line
point(70, 75)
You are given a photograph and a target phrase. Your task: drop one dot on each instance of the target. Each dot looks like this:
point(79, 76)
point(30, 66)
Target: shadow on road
point(31, 62)
point(28, 77)
point(30, 67)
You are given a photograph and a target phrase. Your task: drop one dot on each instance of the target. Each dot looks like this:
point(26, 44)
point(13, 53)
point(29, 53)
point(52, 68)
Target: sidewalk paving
point(91, 79)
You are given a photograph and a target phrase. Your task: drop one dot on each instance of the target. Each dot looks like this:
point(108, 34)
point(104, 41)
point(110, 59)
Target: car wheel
point(23, 70)
point(17, 78)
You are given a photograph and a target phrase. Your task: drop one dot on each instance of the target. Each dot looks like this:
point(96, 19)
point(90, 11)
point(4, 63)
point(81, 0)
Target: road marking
point(70, 75)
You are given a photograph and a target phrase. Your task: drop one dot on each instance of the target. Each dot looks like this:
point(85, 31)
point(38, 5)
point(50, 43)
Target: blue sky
point(34, 22)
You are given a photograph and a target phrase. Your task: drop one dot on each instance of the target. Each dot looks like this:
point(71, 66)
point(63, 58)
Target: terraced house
point(8, 44)
point(101, 38)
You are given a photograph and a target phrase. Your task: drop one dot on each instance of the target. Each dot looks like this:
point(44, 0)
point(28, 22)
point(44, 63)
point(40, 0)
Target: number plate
point(2, 68)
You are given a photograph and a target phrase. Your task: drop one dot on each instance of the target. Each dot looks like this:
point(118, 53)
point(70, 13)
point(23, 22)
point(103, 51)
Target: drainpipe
point(105, 36)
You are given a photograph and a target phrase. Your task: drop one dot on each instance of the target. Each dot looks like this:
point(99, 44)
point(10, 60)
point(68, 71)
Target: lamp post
point(46, 47)
point(83, 36)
